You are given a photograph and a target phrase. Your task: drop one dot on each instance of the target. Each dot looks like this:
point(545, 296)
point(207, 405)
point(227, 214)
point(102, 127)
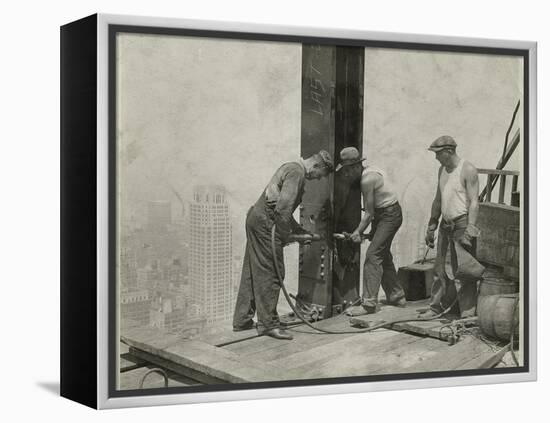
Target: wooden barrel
point(498, 314)
point(496, 286)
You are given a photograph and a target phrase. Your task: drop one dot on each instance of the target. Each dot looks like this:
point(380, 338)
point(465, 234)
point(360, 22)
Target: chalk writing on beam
point(317, 88)
point(317, 106)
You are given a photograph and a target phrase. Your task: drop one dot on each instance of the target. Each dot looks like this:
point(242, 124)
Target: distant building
point(210, 254)
point(168, 314)
point(128, 266)
point(149, 277)
point(134, 306)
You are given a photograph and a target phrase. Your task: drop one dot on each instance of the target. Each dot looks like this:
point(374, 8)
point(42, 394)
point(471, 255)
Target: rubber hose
point(330, 332)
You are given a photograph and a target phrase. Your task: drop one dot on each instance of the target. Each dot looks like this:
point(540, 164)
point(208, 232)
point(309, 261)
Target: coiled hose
point(331, 332)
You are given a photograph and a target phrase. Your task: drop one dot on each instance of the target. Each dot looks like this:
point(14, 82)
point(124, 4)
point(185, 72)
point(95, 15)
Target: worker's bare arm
point(471, 181)
point(435, 214)
point(368, 184)
point(436, 203)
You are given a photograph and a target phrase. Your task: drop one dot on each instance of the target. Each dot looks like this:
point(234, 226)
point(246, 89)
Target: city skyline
point(177, 269)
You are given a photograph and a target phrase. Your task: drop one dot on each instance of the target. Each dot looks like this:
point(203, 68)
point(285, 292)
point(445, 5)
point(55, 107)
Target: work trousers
point(452, 265)
point(259, 288)
point(379, 268)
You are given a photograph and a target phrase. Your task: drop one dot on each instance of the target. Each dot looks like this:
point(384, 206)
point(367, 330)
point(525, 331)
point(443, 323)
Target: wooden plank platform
point(246, 357)
point(228, 337)
point(204, 358)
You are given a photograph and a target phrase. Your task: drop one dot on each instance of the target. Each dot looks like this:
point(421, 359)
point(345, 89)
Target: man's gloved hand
point(471, 232)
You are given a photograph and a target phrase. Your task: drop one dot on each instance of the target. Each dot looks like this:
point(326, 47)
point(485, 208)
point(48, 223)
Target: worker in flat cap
point(383, 213)
point(456, 203)
point(259, 287)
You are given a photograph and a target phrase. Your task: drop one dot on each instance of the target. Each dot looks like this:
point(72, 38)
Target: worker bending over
point(259, 287)
point(383, 212)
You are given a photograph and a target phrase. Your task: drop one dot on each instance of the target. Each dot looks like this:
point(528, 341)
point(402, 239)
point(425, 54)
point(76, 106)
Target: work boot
point(360, 310)
point(428, 314)
point(279, 333)
point(401, 302)
point(247, 326)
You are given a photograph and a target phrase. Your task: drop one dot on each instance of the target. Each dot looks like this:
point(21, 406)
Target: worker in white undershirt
point(456, 202)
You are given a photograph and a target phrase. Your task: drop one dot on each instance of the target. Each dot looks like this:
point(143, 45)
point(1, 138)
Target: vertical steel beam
point(332, 118)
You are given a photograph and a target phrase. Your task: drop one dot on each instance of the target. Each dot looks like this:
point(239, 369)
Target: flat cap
point(442, 143)
point(349, 156)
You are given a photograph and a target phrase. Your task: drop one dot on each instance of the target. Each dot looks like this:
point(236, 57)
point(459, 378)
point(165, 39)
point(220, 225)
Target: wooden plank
point(199, 356)
point(486, 360)
point(130, 362)
point(357, 344)
point(192, 375)
point(391, 313)
point(502, 162)
point(131, 379)
point(497, 172)
point(515, 183)
point(148, 339)
point(228, 337)
point(507, 360)
point(455, 356)
point(301, 342)
point(489, 188)
point(437, 329)
point(377, 352)
point(498, 243)
point(304, 337)
point(407, 358)
point(502, 189)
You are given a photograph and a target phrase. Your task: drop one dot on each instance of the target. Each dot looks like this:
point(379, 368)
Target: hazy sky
point(413, 97)
point(199, 111)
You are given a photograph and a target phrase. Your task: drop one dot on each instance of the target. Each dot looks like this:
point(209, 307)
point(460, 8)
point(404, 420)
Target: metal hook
point(155, 370)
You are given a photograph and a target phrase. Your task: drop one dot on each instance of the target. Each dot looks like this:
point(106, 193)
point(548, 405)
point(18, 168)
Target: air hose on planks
point(332, 332)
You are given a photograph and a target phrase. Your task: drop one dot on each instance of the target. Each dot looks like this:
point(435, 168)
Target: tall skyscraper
point(210, 254)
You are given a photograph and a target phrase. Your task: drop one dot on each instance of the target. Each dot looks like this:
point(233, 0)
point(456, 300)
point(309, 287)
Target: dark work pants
point(444, 288)
point(259, 288)
point(379, 268)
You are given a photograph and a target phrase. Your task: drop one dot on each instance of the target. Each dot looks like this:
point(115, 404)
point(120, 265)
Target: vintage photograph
point(290, 211)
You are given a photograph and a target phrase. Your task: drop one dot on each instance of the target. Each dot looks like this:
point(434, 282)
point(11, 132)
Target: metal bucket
point(417, 279)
